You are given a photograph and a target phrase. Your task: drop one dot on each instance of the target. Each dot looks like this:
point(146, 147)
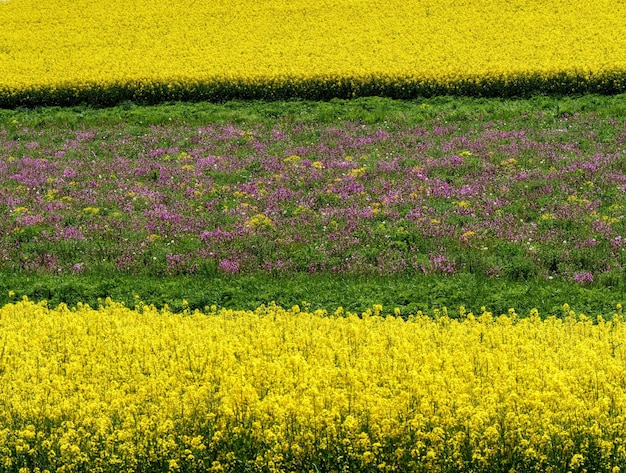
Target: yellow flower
point(292, 160)
point(259, 221)
point(358, 172)
point(468, 234)
point(576, 461)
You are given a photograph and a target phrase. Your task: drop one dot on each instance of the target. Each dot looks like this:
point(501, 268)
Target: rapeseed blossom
point(115, 389)
point(153, 47)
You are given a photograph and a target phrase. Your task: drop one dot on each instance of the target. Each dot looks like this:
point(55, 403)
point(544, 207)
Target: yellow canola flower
point(115, 389)
point(83, 43)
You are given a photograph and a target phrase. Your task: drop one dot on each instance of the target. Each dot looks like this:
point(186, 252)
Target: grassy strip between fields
point(319, 291)
point(370, 110)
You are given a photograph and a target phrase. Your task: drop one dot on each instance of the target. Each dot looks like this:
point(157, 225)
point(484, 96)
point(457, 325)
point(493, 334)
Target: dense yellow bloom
point(60, 43)
point(115, 389)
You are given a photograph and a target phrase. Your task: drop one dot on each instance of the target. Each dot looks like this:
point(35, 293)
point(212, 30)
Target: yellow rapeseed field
point(61, 43)
point(271, 390)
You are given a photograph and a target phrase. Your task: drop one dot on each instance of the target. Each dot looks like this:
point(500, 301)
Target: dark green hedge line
point(320, 88)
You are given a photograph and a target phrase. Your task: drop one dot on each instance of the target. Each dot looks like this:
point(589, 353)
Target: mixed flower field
point(423, 204)
point(537, 197)
point(107, 51)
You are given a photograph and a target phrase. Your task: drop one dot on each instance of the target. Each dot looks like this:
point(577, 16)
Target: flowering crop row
point(114, 389)
point(107, 51)
point(537, 196)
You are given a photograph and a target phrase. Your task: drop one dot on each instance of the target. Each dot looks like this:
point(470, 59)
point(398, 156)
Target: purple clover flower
point(583, 277)
point(228, 266)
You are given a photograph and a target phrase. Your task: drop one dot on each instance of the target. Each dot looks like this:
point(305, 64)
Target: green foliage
point(371, 110)
point(318, 89)
point(323, 291)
